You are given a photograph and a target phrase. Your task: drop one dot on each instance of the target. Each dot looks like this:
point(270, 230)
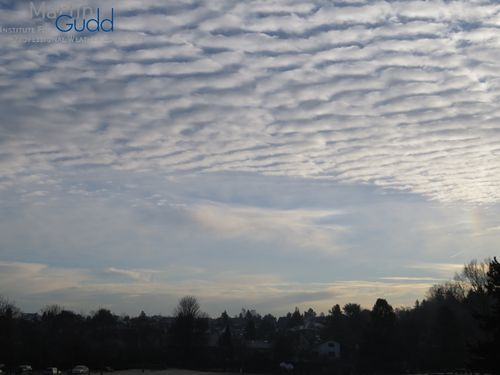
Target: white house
point(329, 349)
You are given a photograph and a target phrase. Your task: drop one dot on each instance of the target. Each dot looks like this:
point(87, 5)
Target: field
point(166, 372)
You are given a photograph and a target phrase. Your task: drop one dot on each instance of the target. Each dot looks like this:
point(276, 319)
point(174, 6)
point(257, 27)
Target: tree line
point(456, 327)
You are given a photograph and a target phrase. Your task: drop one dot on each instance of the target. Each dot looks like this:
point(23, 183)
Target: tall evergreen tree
point(488, 351)
point(378, 347)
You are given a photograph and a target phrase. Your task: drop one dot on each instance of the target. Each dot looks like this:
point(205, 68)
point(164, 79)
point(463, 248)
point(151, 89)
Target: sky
point(258, 154)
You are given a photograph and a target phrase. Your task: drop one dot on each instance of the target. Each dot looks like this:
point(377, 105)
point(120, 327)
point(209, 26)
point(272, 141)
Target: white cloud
point(400, 95)
point(220, 96)
point(20, 278)
point(227, 290)
point(300, 229)
point(442, 269)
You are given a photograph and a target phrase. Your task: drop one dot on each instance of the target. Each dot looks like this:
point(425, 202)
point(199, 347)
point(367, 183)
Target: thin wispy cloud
point(301, 229)
point(232, 290)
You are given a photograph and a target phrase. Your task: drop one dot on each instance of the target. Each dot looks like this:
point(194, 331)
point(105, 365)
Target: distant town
point(456, 328)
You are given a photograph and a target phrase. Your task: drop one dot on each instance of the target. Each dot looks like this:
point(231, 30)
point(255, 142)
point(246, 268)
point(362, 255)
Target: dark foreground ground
point(166, 372)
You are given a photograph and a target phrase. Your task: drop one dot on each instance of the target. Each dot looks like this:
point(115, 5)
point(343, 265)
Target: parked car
point(51, 371)
point(24, 370)
point(80, 370)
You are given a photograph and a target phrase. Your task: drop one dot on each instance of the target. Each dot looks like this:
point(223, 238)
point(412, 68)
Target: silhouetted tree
point(188, 307)
point(105, 343)
point(409, 337)
point(189, 330)
point(488, 349)
point(352, 310)
point(250, 332)
point(296, 318)
point(474, 276)
point(226, 340)
point(432, 335)
point(224, 319)
point(378, 347)
point(267, 327)
point(447, 291)
point(283, 347)
point(8, 315)
point(449, 351)
point(334, 327)
point(310, 314)
point(353, 324)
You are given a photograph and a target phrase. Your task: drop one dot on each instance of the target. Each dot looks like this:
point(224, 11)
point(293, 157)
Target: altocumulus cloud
point(399, 94)
point(241, 151)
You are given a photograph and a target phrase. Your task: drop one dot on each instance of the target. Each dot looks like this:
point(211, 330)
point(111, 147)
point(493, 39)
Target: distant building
point(30, 317)
point(259, 346)
point(328, 350)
